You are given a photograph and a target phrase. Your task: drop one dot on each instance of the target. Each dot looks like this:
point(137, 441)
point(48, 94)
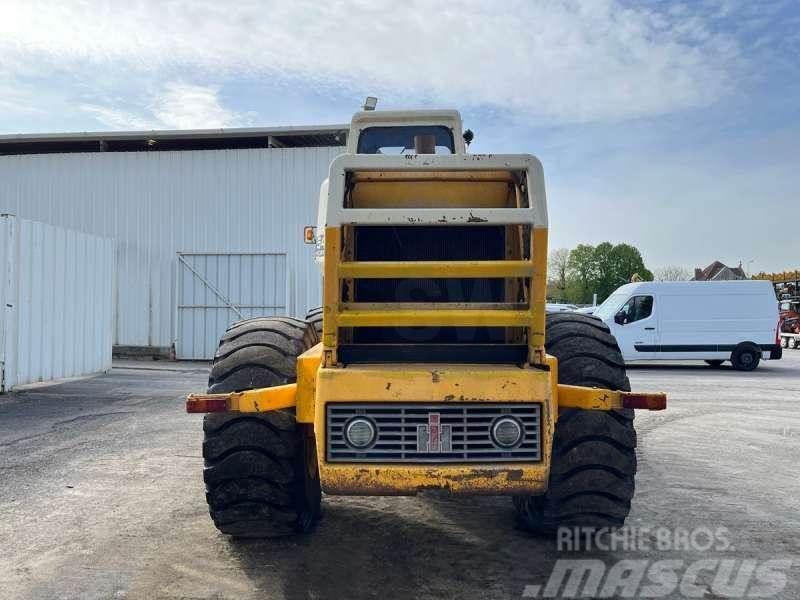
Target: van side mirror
point(620, 318)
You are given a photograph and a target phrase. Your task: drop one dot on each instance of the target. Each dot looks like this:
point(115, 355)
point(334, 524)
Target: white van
point(712, 321)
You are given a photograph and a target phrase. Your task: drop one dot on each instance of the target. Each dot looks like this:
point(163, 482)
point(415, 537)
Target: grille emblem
point(434, 437)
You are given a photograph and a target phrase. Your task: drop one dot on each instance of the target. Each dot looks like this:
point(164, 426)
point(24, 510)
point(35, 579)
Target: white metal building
point(56, 294)
point(208, 225)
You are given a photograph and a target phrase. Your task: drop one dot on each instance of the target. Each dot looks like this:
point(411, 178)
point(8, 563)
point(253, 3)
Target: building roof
point(176, 139)
point(719, 270)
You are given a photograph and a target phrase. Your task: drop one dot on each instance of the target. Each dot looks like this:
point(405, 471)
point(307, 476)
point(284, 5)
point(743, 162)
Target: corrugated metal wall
point(216, 290)
point(156, 204)
point(57, 291)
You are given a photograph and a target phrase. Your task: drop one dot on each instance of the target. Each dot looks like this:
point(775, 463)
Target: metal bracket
point(573, 396)
point(250, 401)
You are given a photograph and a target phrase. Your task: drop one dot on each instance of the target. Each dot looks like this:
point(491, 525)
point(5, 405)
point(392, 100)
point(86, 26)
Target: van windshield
point(609, 308)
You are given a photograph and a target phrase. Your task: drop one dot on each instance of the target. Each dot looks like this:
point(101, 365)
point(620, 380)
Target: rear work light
point(644, 401)
point(206, 404)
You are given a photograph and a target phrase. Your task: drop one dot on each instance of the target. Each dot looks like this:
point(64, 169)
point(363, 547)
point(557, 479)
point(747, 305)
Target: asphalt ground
point(101, 496)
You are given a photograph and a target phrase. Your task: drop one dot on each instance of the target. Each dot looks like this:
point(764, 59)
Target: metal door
point(216, 289)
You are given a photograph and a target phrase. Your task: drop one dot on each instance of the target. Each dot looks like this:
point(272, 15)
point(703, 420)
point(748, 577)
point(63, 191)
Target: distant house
point(718, 271)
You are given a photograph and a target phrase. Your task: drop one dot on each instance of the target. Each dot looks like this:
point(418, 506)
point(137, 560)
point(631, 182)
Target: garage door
point(216, 289)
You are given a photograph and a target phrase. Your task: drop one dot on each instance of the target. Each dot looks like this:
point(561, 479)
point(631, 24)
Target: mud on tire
point(594, 461)
point(260, 469)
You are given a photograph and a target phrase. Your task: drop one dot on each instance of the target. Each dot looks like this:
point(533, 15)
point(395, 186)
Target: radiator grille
point(464, 432)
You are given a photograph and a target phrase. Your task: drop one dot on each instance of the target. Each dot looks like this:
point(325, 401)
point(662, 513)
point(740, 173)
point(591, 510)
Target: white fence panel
point(57, 292)
point(216, 289)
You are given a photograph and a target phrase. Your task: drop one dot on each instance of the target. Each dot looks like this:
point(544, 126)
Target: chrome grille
point(402, 434)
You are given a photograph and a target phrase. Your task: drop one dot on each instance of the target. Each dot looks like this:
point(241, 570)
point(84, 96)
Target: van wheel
point(594, 459)
point(714, 363)
point(746, 357)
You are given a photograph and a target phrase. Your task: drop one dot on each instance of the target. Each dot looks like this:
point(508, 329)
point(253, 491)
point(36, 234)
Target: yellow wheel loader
point(431, 364)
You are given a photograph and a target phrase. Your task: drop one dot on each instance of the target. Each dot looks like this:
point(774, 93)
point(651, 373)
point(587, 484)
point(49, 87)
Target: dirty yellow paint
point(536, 352)
point(434, 383)
point(331, 294)
point(572, 396)
point(307, 367)
point(435, 318)
point(253, 401)
point(587, 398)
point(390, 479)
point(436, 269)
point(552, 365)
point(408, 193)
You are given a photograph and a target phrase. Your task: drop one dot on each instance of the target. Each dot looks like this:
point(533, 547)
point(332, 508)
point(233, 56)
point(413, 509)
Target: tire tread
point(594, 459)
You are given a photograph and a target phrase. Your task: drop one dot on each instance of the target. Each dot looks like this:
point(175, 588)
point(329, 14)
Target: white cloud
point(556, 61)
point(178, 105)
point(186, 106)
point(119, 119)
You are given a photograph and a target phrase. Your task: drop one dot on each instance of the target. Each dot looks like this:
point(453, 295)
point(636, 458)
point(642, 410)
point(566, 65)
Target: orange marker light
point(206, 404)
point(310, 234)
point(656, 401)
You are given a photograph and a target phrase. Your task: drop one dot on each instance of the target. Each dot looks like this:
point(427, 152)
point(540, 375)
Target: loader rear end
point(437, 367)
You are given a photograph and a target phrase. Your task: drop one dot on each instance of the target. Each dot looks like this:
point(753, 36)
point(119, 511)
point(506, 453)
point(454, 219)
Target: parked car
point(586, 310)
point(714, 321)
point(556, 307)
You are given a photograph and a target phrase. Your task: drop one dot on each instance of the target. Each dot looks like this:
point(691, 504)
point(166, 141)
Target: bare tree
point(557, 272)
point(672, 273)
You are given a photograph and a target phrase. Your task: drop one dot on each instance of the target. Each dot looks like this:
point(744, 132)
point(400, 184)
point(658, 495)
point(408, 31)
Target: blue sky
point(674, 126)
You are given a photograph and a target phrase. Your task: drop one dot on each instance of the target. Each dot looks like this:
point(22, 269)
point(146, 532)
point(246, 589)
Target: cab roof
point(377, 117)
point(449, 118)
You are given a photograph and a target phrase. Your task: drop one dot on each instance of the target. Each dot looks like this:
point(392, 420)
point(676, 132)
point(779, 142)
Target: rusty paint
point(307, 367)
point(416, 383)
point(586, 398)
point(410, 480)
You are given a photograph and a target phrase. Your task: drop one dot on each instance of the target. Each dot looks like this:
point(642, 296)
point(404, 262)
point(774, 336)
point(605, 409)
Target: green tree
point(581, 273)
point(602, 269)
point(628, 261)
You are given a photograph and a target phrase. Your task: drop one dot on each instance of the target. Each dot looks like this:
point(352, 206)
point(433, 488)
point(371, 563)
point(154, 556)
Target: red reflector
point(206, 405)
point(644, 401)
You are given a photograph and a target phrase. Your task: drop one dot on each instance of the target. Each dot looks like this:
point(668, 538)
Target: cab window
point(635, 309)
point(406, 140)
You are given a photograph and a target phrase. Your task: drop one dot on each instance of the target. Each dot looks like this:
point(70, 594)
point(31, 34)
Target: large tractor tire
point(594, 460)
point(314, 316)
point(260, 469)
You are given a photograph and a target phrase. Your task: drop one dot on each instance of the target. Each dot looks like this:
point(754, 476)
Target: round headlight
point(507, 432)
point(360, 433)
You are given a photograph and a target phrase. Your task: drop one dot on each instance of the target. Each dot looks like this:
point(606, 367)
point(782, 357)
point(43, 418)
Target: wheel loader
point(431, 364)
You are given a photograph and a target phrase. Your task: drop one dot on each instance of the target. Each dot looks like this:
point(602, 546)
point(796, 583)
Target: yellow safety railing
point(530, 315)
